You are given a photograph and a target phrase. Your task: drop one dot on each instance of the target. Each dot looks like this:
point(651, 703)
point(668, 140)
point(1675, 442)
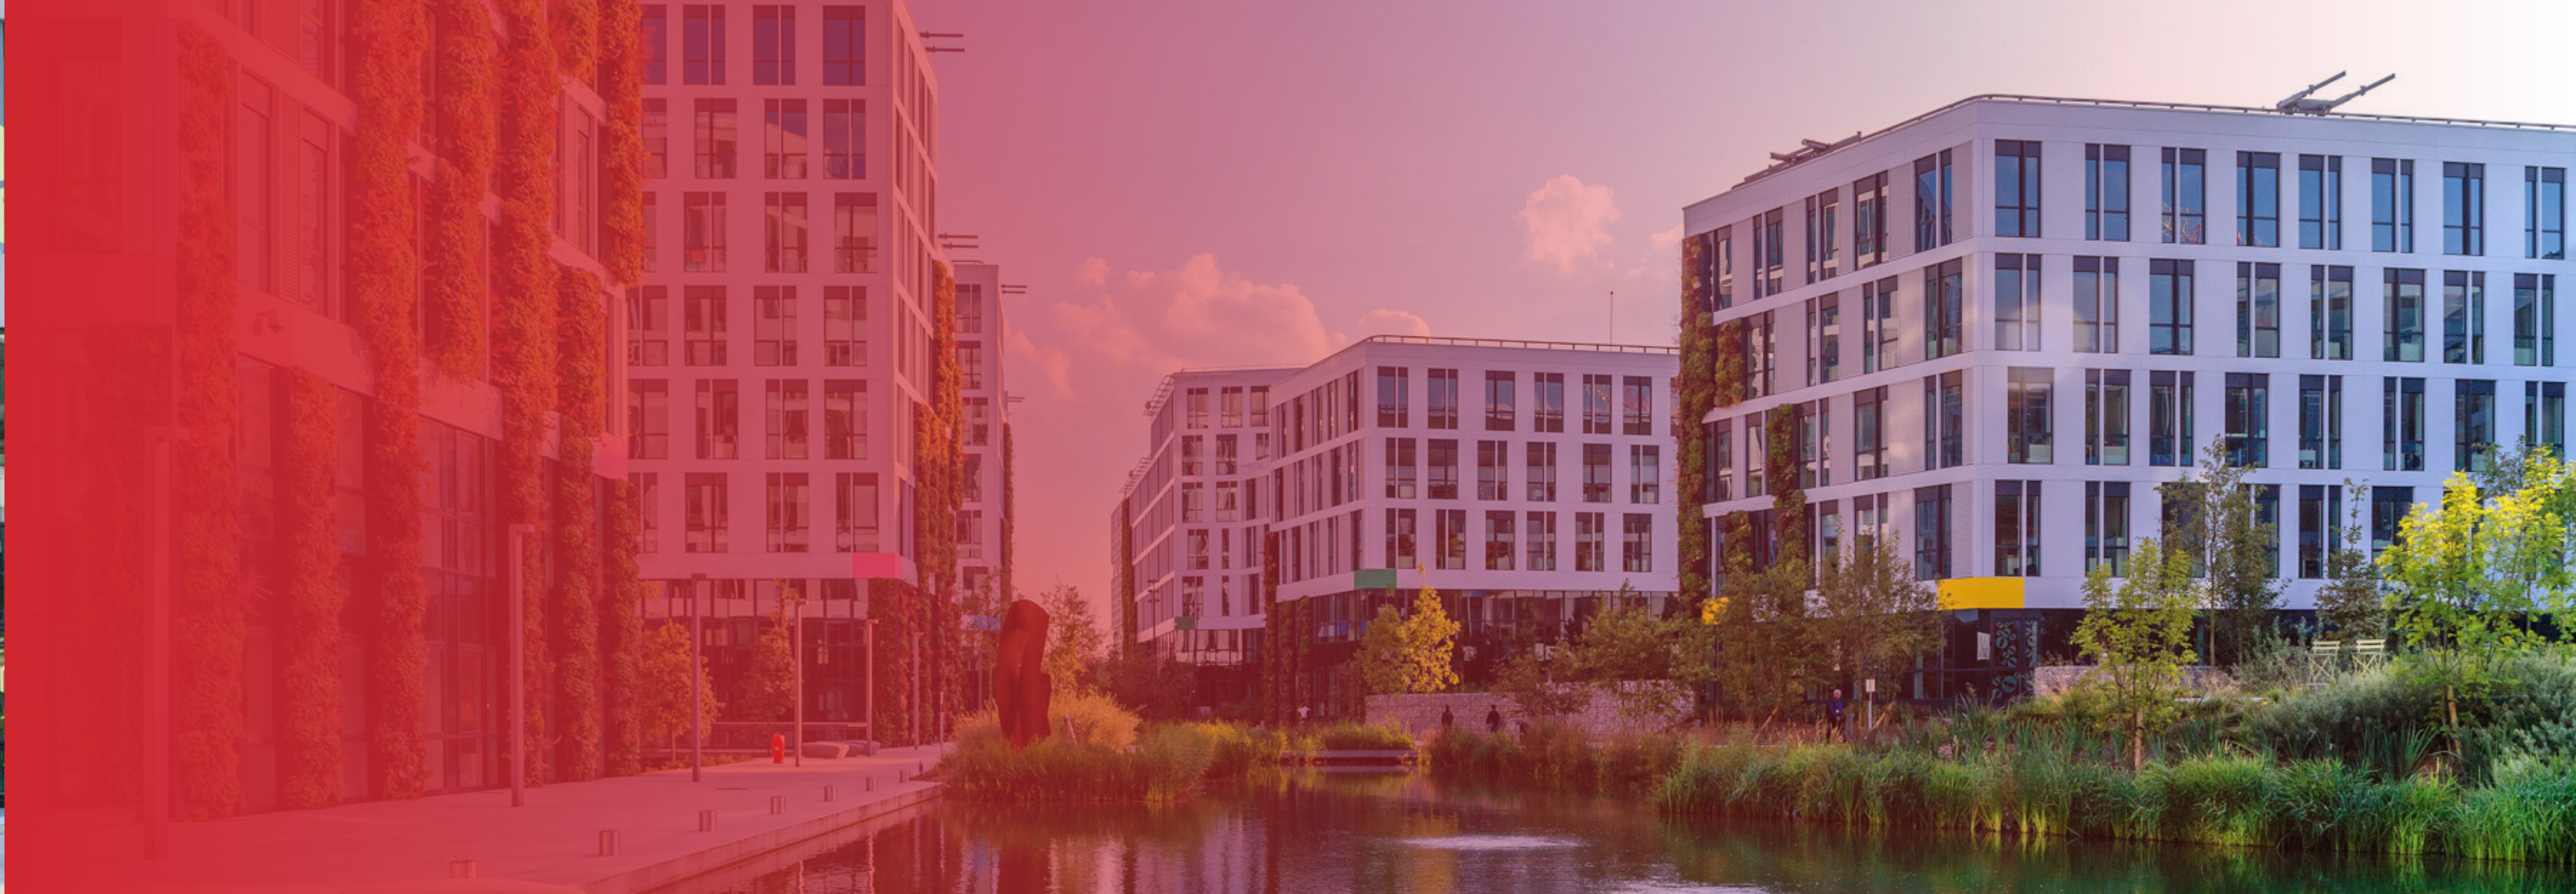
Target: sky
point(1217, 183)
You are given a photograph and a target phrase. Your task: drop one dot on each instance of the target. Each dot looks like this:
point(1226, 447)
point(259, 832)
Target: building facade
point(1998, 327)
point(983, 519)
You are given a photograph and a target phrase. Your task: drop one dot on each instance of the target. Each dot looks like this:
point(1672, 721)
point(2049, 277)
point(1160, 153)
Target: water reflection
point(1404, 833)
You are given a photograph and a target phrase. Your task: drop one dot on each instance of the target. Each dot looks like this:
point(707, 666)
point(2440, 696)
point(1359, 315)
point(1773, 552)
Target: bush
point(1355, 736)
point(1100, 719)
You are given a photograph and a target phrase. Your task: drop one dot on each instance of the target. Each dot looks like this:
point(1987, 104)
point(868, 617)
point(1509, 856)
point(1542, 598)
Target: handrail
point(1520, 343)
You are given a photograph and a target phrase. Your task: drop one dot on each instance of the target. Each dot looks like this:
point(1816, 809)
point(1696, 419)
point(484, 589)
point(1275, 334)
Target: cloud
point(1666, 242)
point(1143, 324)
point(1383, 321)
point(1053, 364)
point(1091, 272)
point(1568, 222)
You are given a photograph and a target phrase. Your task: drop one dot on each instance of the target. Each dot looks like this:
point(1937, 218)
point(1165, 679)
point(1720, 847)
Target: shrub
point(1355, 736)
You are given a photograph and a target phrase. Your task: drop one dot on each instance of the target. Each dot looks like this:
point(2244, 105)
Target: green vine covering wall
point(621, 635)
point(576, 36)
point(455, 253)
point(523, 345)
point(621, 143)
point(206, 610)
point(1694, 396)
point(938, 473)
point(309, 757)
point(581, 375)
point(1788, 501)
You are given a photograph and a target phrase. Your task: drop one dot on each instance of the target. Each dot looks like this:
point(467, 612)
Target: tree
point(2350, 601)
point(1871, 616)
point(1542, 686)
point(1154, 687)
point(2217, 523)
point(2466, 575)
point(1767, 660)
point(662, 707)
point(2138, 631)
point(768, 688)
point(1074, 643)
point(1410, 653)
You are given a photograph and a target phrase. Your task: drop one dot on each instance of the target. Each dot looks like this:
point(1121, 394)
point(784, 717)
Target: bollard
point(828, 793)
point(608, 842)
point(460, 869)
point(872, 783)
point(706, 821)
point(777, 804)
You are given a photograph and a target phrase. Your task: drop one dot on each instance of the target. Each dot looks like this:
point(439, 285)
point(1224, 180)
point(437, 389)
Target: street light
point(697, 681)
point(519, 663)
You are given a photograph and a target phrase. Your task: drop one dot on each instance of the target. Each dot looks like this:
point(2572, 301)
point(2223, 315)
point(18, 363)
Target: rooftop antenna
point(2302, 103)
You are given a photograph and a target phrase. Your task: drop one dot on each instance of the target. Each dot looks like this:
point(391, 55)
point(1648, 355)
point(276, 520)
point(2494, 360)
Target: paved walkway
point(554, 839)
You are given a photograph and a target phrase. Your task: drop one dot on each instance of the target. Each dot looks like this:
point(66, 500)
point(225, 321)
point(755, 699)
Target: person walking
point(1834, 714)
point(1448, 720)
point(1494, 720)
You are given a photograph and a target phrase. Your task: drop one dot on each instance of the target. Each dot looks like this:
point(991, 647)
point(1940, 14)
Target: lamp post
point(697, 681)
point(519, 663)
point(796, 647)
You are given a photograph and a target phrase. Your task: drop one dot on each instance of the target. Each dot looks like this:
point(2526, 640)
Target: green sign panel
point(1373, 579)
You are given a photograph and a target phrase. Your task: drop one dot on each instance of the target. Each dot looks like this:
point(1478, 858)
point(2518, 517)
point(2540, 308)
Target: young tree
point(1766, 661)
point(2220, 527)
point(1381, 653)
point(2138, 631)
point(1410, 653)
point(768, 688)
point(1871, 616)
point(662, 707)
point(1074, 643)
point(2466, 576)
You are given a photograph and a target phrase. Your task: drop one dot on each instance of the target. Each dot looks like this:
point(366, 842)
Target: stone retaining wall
point(2054, 679)
point(1600, 715)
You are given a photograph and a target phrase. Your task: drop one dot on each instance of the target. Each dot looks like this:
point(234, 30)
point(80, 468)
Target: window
point(854, 514)
point(2169, 298)
point(706, 512)
point(1757, 460)
point(783, 138)
point(2258, 199)
point(1194, 408)
point(773, 46)
point(1943, 419)
point(784, 409)
point(1596, 473)
point(703, 312)
point(648, 326)
point(854, 232)
point(702, 226)
point(648, 419)
point(2401, 430)
point(1943, 295)
point(1501, 389)
point(2329, 312)
point(311, 247)
point(2106, 526)
point(1453, 538)
point(2258, 309)
point(2186, 196)
point(1869, 220)
point(1758, 355)
point(2267, 518)
point(785, 232)
point(845, 139)
point(1498, 541)
point(845, 332)
point(1823, 238)
point(789, 517)
point(1770, 255)
point(1878, 325)
point(1815, 447)
point(1443, 387)
point(1869, 433)
point(656, 132)
point(1718, 439)
point(978, 426)
point(1637, 404)
point(657, 54)
point(2405, 309)
point(1193, 502)
point(1547, 396)
point(2535, 319)
point(702, 44)
point(1193, 455)
point(2016, 302)
point(1596, 405)
point(1645, 473)
point(2106, 417)
point(1540, 533)
point(2544, 415)
point(1541, 473)
point(2017, 188)
point(2464, 208)
point(1932, 201)
point(845, 46)
point(2321, 202)
point(2320, 530)
point(1230, 407)
point(2249, 427)
point(845, 419)
point(1493, 470)
point(1588, 535)
point(2017, 529)
point(2464, 316)
point(2106, 193)
point(719, 419)
point(2473, 420)
point(2097, 305)
point(1399, 538)
point(1228, 455)
point(1444, 469)
point(1723, 256)
point(2320, 422)
point(1393, 388)
point(1399, 469)
point(1932, 532)
point(2169, 400)
point(715, 138)
point(2388, 506)
point(1260, 397)
point(2026, 413)
point(2392, 204)
point(1824, 338)
point(1637, 543)
point(2544, 213)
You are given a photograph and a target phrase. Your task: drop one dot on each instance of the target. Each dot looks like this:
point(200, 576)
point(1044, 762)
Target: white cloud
point(1568, 222)
point(1383, 321)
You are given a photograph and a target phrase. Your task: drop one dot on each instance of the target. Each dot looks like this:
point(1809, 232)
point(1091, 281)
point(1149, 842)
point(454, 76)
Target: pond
point(1402, 832)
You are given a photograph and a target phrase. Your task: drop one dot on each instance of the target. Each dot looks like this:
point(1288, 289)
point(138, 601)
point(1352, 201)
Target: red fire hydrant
point(777, 748)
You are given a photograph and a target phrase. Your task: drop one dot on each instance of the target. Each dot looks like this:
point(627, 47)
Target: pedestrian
point(1834, 714)
point(1448, 720)
point(1301, 714)
point(1494, 720)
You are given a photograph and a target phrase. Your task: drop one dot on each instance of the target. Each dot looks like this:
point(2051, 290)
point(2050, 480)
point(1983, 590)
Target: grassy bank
point(1117, 758)
point(1556, 756)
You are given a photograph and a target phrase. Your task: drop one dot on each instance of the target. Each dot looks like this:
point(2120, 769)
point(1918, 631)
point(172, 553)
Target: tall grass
point(1355, 736)
point(1554, 755)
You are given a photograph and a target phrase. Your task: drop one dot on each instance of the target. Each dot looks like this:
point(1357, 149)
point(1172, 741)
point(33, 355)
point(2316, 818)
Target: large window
point(1943, 299)
point(1637, 405)
point(790, 515)
point(2535, 319)
point(2464, 208)
point(1596, 404)
point(1722, 257)
point(2258, 309)
point(2401, 431)
point(719, 419)
point(773, 325)
point(2016, 302)
point(773, 45)
point(1596, 473)
point(2029, 428)
point(1932, 201)
point(648, 419)
point(1719, 440)
point(2017, 188)
point(2106, 193)
point(2464, 316)
point(2473, 419)
point(2544, 415)
point(1770, 253)
point(1869, 220)
point(657, 47)
point(2169, 306)
point(2392, 204)
point(706, 513)
point(2169, 418)
point(2106, 417)
point(2249, 413)
point(2329, 312)
point(1878, 325)
point(1824, 236)
point(702, 232)
point(648, 326)
point(1824, 339)
point(1393, 393)
point(2258, 199)
point(2185, 190)
point(783, 230)
point(1498, 540)
point(854, 232)
point(845, 326)
point(1540, 535)
point(1932, 532)
point(1493, 470)
point(845, 419)
point(2017, 529)
point(1637, 543)
point(703, 325)
point(2320, 527)
point(2388, 507)
point(1399, 538)
point(1444, 469)
point(2097, 305)
point(1399, 469)
point(2320, 422)
point(2106, 526)
point(782, 138)
point(1453, 538)
point(845, 139)
point(1944, 417)
point(1547, 403)
point(1815, 445)
point(1759, 351)
point(2403, 302)
point(1541, 472)
point(1441, 411)
point(845, 46)
point(1869, 433)
point(2321, 202)
point(1501, 391)
point(702, 44)
point(1589, 554)
point(2544, 213)
point(716, 138)
point(1645, 473)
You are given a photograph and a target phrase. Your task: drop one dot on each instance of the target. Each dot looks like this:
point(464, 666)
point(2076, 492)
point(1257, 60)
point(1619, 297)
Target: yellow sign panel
point(1981, 592)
